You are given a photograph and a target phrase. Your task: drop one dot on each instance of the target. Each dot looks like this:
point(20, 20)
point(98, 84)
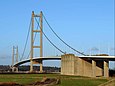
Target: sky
point(86, 25)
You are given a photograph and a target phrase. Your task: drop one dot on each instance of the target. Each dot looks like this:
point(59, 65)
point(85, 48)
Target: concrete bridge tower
point(32, 41)
point(14, 58)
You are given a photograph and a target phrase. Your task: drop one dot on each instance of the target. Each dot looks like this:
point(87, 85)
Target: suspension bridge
point(39, 29)
point(39, 59)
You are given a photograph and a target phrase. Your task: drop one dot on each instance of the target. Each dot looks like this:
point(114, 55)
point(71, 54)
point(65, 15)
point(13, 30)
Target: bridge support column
point(12, 69)
point(106, 69)
point(16, 69)
point(31, 65)
point(41, 68)
point(93, 68)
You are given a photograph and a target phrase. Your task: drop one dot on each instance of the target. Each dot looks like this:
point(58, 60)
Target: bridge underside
point(37, 60)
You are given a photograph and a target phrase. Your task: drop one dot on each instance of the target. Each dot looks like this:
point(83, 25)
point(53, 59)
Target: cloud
point(112, 48)
point(94, 49)
point(4, 56)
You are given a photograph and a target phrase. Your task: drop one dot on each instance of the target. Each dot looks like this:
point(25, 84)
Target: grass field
point(65, 80)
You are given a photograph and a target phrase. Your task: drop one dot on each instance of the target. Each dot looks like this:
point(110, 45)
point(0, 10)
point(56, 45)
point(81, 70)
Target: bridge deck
point(110, 58)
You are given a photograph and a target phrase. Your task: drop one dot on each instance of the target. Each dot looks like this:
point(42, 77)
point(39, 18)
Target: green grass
point(82, 82)
point(65, 80)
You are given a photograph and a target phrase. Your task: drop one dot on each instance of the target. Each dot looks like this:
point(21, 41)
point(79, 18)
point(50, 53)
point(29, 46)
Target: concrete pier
point(106, 69)
point(93, 68)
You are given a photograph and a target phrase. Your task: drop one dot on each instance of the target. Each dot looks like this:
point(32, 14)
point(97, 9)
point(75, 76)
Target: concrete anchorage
point(74, 65)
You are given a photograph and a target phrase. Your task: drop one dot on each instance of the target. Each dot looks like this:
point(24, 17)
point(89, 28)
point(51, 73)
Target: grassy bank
point(65, 80)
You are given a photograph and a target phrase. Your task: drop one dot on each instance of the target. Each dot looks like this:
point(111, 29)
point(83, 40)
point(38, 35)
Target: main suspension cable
point(61, 38)
point(26, 40)
point(49, 39)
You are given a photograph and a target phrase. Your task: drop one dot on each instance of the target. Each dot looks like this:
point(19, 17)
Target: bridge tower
point(32, 41)
point(14, 58)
